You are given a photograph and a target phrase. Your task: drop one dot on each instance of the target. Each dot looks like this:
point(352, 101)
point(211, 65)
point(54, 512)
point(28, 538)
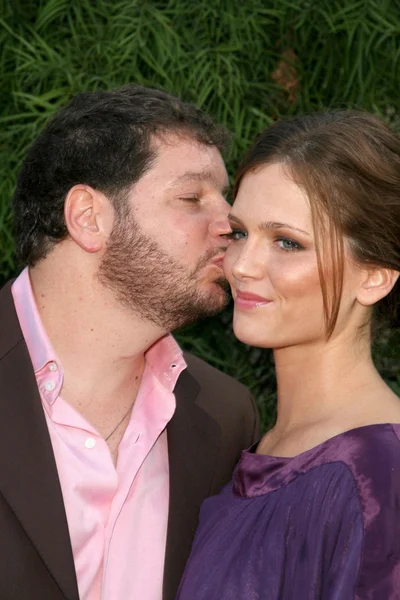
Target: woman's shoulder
point(369, 456)
point(370, 452)
point(367, 453)
point(366, 449)
point(372, 455)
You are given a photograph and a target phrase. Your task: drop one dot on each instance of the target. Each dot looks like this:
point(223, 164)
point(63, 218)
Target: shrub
point(247, 63)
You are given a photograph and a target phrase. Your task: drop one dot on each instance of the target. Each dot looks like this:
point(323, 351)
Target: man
point(110, 438)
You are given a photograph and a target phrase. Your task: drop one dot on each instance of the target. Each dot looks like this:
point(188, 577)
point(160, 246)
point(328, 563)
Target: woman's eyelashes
point(287, 244)
point(235, 234)
point(282, 242)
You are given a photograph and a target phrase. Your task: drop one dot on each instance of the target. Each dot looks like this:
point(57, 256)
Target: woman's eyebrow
point(232, 217)
point(269, 224)
point(278, 225)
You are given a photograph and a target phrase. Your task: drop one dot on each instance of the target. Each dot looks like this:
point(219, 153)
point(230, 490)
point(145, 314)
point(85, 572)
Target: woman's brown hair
point(348, 164)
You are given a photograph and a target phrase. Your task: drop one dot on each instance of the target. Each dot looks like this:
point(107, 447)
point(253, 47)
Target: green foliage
point(247, 63)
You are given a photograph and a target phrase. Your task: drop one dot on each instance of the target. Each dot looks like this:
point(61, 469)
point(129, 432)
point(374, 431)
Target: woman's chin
point(251, 338)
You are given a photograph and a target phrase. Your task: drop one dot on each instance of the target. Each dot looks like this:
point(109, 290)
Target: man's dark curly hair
point(101, 139)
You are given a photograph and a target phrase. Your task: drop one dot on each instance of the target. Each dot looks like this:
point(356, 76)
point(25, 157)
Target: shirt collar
point(37, 341)
point(47, 367)
point(166, 360)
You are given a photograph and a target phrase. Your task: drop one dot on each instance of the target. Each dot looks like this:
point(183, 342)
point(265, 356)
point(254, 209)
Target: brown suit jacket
point(215, 419)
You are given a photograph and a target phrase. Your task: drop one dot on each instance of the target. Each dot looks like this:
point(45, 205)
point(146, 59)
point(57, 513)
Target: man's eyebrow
point(269, 225)
point(204, 175)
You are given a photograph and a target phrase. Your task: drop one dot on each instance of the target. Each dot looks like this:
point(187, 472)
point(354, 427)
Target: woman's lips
point(247, 300)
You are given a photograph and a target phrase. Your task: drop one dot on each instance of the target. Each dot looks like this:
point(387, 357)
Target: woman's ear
point(377, 283)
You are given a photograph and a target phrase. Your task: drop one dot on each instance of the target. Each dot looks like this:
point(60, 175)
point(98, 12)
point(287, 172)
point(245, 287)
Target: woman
point(313, 513)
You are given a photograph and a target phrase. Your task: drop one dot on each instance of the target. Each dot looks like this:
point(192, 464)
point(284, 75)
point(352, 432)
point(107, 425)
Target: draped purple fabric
point(324, 525)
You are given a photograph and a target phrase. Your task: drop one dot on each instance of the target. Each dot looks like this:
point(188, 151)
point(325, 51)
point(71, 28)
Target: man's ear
point(84, 213)
point(377, 283)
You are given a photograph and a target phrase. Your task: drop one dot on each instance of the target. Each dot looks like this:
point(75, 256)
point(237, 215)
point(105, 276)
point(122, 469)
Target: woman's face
point(271, 264)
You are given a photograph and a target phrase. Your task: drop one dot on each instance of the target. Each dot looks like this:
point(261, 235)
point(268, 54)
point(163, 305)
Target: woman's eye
point(236, 234)
point(288, 244)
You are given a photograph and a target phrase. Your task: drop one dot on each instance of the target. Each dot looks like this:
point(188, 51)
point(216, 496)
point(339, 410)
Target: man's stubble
point(147, 281)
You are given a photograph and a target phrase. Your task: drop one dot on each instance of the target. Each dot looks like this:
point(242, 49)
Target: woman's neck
point(314, 380)
point(324, 390)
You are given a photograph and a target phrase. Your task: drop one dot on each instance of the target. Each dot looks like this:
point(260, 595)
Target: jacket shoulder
point(10, 331)
point(225, 399)
point(211, 378)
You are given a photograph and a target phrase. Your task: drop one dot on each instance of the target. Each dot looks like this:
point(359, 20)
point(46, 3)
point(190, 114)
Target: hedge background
point(247, 62)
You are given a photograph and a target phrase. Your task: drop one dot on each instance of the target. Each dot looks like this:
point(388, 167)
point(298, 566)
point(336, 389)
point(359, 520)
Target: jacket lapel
point(193, 443)
point(28, 474)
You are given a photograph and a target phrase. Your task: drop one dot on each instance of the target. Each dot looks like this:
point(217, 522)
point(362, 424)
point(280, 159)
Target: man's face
point(163, 261)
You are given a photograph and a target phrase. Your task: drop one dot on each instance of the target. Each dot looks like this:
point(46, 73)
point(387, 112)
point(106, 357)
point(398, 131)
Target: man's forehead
point(185, 159)
point(191, 160)
point(202, 175)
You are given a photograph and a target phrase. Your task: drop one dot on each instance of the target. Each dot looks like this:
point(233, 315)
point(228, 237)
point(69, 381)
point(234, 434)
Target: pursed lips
point(218, 260)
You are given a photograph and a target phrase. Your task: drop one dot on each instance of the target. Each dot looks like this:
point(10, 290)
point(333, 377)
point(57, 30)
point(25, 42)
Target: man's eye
point(288, 244)
point(236, 235)
point(189, 198)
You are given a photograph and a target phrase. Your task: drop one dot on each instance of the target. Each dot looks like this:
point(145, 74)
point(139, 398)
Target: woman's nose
point(248, 264)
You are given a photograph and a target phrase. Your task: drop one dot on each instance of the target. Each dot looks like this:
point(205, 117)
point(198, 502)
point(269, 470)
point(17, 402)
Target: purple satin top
point(324, 525)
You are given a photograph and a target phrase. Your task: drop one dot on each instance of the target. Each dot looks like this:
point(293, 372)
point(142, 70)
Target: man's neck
point(91, 334)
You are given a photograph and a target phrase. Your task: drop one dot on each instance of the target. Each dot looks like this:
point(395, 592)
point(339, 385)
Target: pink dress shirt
point(117, 516)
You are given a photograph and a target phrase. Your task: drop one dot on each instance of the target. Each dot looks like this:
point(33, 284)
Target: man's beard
point(153, 285)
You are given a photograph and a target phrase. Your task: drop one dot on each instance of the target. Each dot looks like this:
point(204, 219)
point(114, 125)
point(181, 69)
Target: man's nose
point(219, 227)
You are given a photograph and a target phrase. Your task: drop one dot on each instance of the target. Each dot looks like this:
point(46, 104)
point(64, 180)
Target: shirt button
point(90, 443)
point(49, 385)
point(53, 366)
